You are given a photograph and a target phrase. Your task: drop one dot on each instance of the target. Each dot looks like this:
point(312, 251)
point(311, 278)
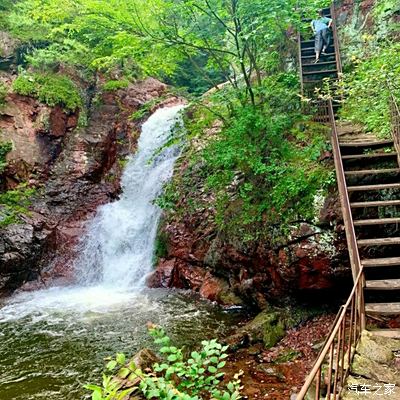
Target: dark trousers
point(322, 40)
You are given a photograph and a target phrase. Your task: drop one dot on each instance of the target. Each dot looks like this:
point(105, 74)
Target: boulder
point(267, 327)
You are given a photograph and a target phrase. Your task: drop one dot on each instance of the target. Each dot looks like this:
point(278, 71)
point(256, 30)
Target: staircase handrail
point(355, 260)
point(339, 348)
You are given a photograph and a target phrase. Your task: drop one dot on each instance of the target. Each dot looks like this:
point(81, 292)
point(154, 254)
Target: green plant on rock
point(3, 93)
point(368, 87)
point(51, 89)
point(113, 85)
point(14, 203)
point(176, 377)
point(5, 148)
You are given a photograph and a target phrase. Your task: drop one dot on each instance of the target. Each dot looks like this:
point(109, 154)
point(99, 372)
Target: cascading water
point(118, 248)
point(52, 341)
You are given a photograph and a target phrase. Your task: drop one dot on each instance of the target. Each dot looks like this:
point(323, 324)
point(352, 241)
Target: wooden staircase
point(372, 175)
point(329, 66)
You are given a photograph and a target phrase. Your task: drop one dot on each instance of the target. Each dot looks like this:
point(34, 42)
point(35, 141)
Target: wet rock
point(163, 276)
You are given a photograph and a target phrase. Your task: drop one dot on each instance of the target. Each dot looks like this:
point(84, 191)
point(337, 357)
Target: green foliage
point(110, 86)
point(99, 35)
point(176, 377)
point(5, 8)
point(14, 203)
point(3, 93)
point(260, 170)
point(4, 149)
point(368, 86)
point(50, 89)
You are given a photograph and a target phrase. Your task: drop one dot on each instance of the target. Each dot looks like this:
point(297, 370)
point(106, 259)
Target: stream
point(54, 341)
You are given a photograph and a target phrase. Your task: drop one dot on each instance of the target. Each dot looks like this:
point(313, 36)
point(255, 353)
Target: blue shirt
point(321, 23)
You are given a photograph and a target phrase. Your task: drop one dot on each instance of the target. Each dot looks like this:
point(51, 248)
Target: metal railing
point(351, 237)
point(328, 376)
point(395, 123)
point(332, 367)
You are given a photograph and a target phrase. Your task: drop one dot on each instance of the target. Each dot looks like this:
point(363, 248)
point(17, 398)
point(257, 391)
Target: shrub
point(259, 172)
point(115, 85)
point(367, 88)
point(50, 89)
point(177, 377)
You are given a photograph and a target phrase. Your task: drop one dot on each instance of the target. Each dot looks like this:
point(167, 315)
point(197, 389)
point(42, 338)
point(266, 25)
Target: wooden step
point(381, 262)
point(366, 144)
point(323, 72)
point(365, 188)
point(378, 221)
point(323, 55)
point(379, 241)
point(331, 47)
point(384, 203)
point(319, 63)
point(388, 333)
point(372, 171)
point(382, 308)
point(372, 155)
point(384, 284)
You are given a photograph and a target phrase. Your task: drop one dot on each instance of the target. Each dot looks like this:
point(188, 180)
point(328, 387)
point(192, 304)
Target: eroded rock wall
point(74, 166)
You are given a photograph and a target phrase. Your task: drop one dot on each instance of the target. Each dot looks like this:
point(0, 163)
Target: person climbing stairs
point(329, 66)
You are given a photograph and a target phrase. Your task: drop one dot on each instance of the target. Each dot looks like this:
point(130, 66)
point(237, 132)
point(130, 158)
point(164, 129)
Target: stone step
point(388, 333)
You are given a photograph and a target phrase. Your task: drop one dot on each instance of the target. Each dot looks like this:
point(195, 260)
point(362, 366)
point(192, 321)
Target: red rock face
point(77, 169)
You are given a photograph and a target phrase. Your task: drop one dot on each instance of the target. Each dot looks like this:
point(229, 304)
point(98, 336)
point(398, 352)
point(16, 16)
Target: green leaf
point(172, 357)
point(120, 358)
point(111, 365)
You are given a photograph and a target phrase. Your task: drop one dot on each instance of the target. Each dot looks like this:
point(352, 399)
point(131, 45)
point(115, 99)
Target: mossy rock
point(268, 327)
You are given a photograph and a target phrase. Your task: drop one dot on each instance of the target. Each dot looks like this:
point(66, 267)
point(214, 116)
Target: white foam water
point(115, 255)
point(118, 248)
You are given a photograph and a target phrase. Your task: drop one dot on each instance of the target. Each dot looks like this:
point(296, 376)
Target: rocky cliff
point(73, 163)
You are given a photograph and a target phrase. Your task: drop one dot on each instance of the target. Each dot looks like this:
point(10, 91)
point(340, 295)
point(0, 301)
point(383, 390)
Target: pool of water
point(54, 341)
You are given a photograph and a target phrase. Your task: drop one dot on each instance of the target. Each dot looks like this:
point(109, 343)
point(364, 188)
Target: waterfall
point(118, 247)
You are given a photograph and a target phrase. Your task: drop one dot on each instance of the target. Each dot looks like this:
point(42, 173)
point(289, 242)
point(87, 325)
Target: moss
point(50, 89)
point(274, 330)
